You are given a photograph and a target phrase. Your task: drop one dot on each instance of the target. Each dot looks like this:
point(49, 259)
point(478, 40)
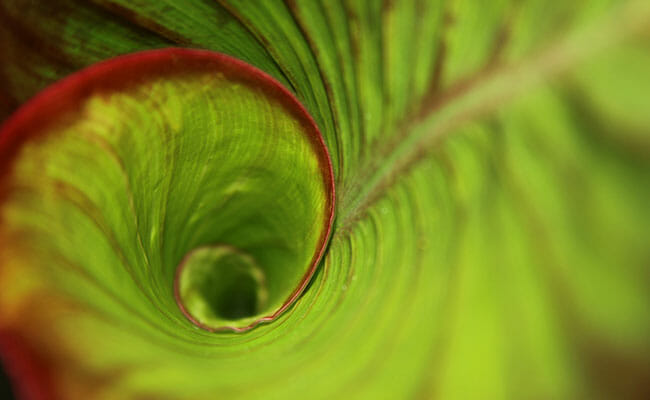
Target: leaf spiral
point(490, 241)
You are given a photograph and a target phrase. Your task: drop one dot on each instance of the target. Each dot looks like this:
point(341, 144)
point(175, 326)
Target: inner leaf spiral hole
point(220, 282)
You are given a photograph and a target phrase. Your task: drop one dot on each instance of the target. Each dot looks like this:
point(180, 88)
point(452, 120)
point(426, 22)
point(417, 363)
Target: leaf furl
point(491, 241)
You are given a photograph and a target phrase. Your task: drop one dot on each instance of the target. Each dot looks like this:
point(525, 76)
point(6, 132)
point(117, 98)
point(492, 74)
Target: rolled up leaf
point(491, 236)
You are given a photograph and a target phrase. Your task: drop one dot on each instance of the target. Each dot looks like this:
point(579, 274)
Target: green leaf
point(491, 162)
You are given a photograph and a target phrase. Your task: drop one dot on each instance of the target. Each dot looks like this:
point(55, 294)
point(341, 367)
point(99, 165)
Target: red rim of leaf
point(30, 376)
point(60, 101)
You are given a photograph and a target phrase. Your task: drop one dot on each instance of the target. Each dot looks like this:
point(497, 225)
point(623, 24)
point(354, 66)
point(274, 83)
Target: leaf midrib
point(480, 96)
